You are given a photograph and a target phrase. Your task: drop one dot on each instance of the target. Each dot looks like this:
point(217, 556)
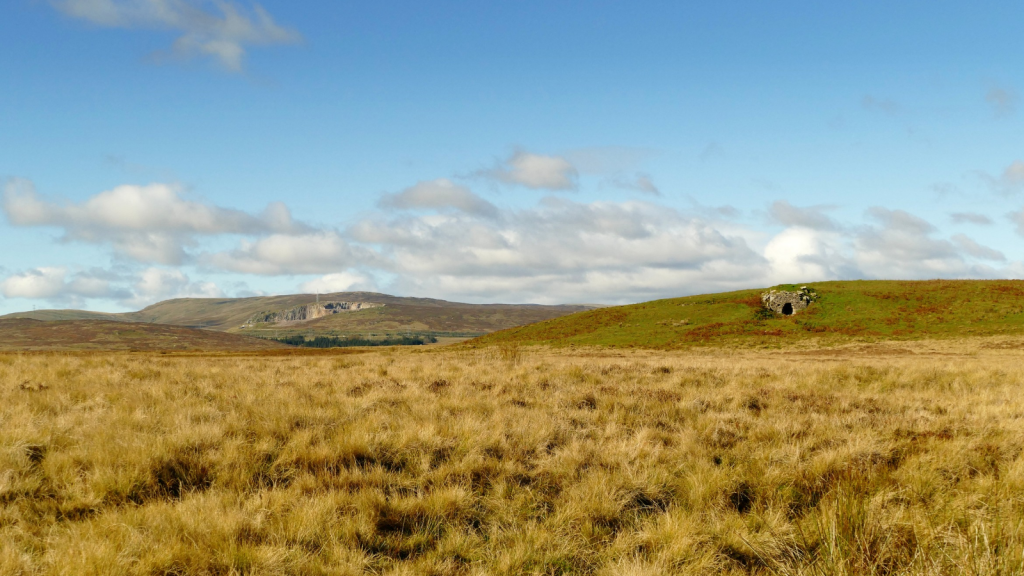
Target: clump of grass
point(449, 462)
point(511, 352)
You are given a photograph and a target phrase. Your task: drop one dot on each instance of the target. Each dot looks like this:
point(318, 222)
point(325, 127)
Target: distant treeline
point(334, 342)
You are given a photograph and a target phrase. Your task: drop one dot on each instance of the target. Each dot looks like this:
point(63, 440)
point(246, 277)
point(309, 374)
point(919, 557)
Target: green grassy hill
point(844, 310)
point(398, 315)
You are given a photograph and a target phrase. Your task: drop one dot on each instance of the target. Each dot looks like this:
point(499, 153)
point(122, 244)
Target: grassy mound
point(843, 310)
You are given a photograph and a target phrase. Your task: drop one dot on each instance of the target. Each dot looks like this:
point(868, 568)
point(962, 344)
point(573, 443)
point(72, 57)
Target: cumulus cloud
point(561, 249)
point(813, 217)
point(437, 194)
point(1002, 100)
point(57, 283)
point(893, 244)
point(339, 282)
point(152, 223)
point(809, 254)
point(61, 286)
point(280, 254)
point(970, 218)
point(223, 33)
point(535, 171)
point(157, 284)
point(971, 247)
point(902, 245)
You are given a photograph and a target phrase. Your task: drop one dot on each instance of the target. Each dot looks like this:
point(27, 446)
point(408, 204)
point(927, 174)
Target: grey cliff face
point(308, 312)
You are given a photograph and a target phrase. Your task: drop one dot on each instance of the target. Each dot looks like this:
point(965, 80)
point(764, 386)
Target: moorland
point(867, 459)
point(106, 335)
point(882, 432)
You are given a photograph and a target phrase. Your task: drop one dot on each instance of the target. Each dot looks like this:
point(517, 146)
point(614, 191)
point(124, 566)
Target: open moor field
point(508, 460)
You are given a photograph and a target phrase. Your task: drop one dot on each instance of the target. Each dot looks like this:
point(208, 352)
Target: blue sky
point(502, 151)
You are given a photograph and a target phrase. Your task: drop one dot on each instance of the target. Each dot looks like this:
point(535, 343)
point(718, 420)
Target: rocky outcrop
point(788, 303)
point(305, 312)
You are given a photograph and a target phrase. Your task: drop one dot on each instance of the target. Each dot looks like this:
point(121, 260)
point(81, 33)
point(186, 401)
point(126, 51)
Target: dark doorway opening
point(787, 309)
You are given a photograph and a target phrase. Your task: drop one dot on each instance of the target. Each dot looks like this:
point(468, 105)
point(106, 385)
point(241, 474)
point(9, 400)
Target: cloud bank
point(441, 238)
point(147, 224)
point(223, 33)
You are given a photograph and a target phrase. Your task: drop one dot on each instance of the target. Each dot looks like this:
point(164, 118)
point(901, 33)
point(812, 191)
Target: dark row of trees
point(335, 342)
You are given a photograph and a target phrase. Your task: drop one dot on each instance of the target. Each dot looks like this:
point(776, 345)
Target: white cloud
point(151, 223)
point(222, 34)
point(157, 284)
point(972, 248)
point(536, 171)
point(64, 288)
point(56, 282)
point(339, 282)
point(154, 207)
point(902, 246)
point(440, 193)
point(897, 245)
point(281, 254)
point(803, 254)
point(43, 282)
point(561, 249)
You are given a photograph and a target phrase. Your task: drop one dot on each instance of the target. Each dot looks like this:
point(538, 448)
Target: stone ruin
point(788, 303)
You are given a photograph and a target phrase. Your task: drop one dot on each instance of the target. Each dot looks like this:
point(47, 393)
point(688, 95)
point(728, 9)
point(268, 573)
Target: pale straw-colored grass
point(525, 461)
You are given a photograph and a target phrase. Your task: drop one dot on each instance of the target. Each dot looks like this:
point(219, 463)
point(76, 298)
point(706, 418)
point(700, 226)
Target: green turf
point(867, 310)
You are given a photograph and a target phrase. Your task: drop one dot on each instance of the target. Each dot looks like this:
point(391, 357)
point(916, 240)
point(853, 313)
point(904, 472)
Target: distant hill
point(385, 314)
point(23, 334)
point(843, 310)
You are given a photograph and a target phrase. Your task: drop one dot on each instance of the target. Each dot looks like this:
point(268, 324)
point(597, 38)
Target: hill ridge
point(842, 310)
point(400, 314)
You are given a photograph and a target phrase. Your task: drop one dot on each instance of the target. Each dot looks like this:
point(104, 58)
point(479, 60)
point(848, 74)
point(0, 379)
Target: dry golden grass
point(515, 461)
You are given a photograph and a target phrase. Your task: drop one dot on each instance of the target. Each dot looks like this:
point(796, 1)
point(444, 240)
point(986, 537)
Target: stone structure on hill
point(788, 303)
point(307, 312)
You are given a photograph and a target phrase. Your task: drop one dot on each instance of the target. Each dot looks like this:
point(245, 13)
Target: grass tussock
point(511, 461)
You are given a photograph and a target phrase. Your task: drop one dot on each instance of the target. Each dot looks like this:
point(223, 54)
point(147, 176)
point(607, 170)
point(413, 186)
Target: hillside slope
point(865, 309)
point(398, 314)
point(67, 335)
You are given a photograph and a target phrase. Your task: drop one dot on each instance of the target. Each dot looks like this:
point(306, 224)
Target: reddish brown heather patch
point(81, 335)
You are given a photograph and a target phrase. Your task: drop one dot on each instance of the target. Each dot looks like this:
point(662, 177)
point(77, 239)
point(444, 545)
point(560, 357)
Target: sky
point(529, 151)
